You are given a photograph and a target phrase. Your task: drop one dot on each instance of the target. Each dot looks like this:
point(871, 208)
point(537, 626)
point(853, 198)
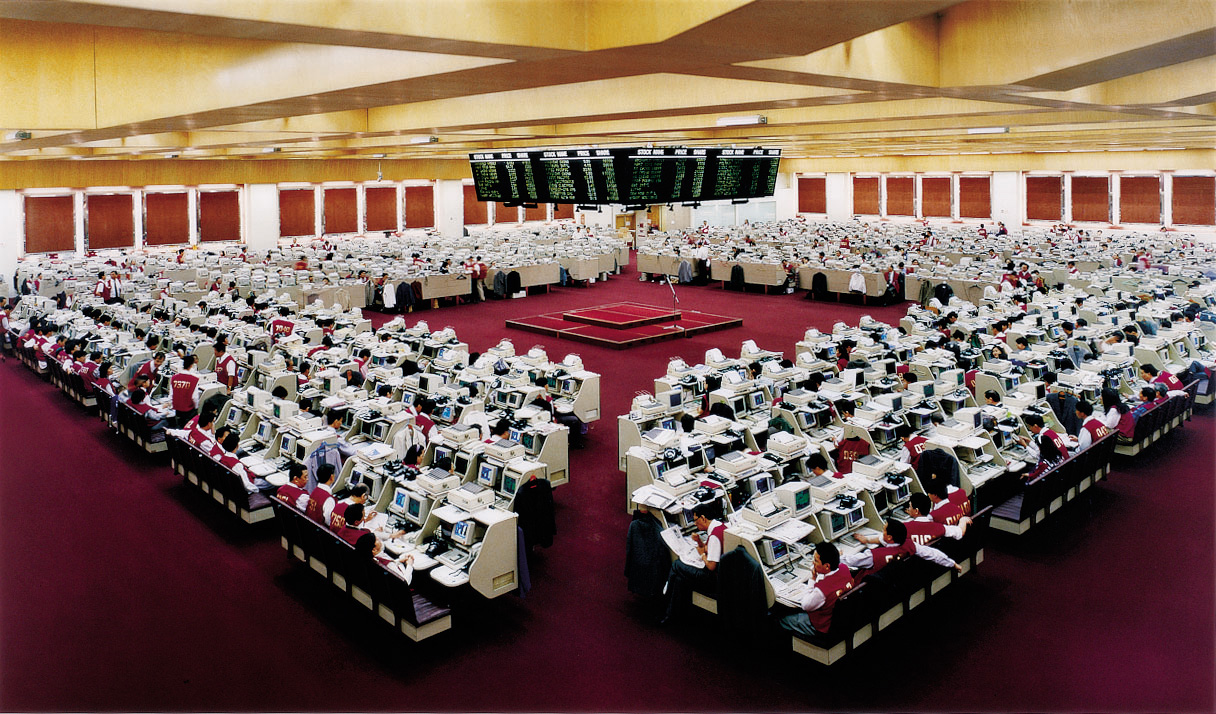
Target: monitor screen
point(897, 403)
point(233, 414)
point(928, 390)
point(668, 423)
point(740, 407)
point(962, 378)
point(263, 432)
point(487, 475)
point(890, 367)
point(448, 411)
point(462, 532)
point(802, 499)
point(696, 460)
point(528, 439)
point(780, 550)
point(441, 453)
point(658, 468)
point(671, 399)
point(757, 400)
point(838, 523)
point(414, 509)
point(762, 483)
point(510, 484)
point(856, 516)
point(461, 463)
point(356, 478)
point(567, 386)
point(289, 445)
point(301, 451)
point(515, 399)
point(710, 453)
point(399, 501)
point(514, 435)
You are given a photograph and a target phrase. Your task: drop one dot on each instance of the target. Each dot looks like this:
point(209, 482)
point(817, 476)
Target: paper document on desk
point(682, 547)
point(791, 531)
point(973, 442)
point(654, 498)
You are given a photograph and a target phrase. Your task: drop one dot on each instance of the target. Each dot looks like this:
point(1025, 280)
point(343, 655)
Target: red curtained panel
point(865, 195)
point(563, 210)
point(1140, 199)
point(297, 212)
point(219, 216)
point(475, 212)
point(1044, 195)
point(166, 218)
point(935, 197)
point(974, 197)
point(536, 214)
point(1091, 198)
point(812, 195)
point(109, 221)
point(341, 209)
point(502, 214)
point(380, 208)
point(1194, 201)
point(901, 195)
point(50, 224)
point(419, 207)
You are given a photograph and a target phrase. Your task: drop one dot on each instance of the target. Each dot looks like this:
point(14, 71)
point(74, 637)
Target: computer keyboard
point(456, 559)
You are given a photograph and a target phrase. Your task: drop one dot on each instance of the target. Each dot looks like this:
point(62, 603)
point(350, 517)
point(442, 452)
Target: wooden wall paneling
point(865, 195)
point(109, 220)
point(50, 224)
point(812, 194)
point(1091, 198)
point(341, 210)
point(476, 212)
point(1140, 199)
point(297, 212)
point(935, 196)
point(380, 208)
point(502, 214)
point(1044, 195)
point(539, 213)
point(562, 211)
point(901, 196)
point(419, 207)
point(166, 218)
point(974, 197)
point(219, 216)
point(1194, 200)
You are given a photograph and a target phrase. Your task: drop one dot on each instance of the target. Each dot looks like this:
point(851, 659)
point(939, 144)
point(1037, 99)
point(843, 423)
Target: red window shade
point(166, 218)
point(1140, 199)
point(935, 197)
point(50, 224)
point(563, 210)
point(219, 216)
point(110, 221)
point(1091, 198)
point(419, 207)
point(536, 214)
point(1194, 201)
point(297, 212)
point(341, 210)
point(974, 197)
point(865, 195)
point(1043, 197)
point(381, 208)
point(901, 196)
point(812, 195)
point(502, 214)
point(475, 213)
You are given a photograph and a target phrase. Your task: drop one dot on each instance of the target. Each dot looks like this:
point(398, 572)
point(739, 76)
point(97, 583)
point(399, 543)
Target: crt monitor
point(756, 400)
point(356, 478)
point(962, 378)
point(838, 523)
point(301, 450)
point(461, 462)
point(567, 386)
point(514, 435)
point(399, 502)
point(263, 432)
point(1040, 391)
point(890, 367)
point(414, 510)
point(441, 453)
point(668, 423)
point(289, 444)
point(487, 475)
point(762, 483)
point(897, 404)
point(462, 533)
point(234, 414)
point(927, 389)
point(515, 399)
point(448, 412)
point(510, 484)
point(773, 552)
point(739, 406)
point(528, 439)
point(802, 499)
point(696, 460)
point(857, 515)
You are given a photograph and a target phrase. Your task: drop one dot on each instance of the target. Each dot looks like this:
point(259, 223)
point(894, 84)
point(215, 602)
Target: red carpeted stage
point(621, 325)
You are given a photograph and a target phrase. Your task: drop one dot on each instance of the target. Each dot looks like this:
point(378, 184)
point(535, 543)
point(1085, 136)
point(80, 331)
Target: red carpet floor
point(121, 589)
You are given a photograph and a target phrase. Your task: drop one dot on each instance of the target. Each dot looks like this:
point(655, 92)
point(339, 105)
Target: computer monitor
point(762, 483)
point(739, 406)
point(1040, 391)
point(672, 399)
point(658, 468)
point(884, 434)
point(961, 378)
point(441, 453)
point(448, 413)
point(487, 474)
point(398, 506)
point(515, 399)
point(416, 509)
point(668, 423)
point(263, 432)
point(857, 515)
point(301, 451)
point(711, 453)
point(696, 460)
point(567, 386)
point(356, 478)
point(289, 444)
point(890, 367)
point(234, 414)
point(514, 435)
point(773, 552)
point(462, 533)
point(510, 484)
point(926, 389)
point(528, 439)
point(897, 403)
point(838, 523)
point(461, 463)
point(802, 499)
point(756, 400)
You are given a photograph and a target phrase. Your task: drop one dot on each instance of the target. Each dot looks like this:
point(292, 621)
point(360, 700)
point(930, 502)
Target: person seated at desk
point(358, 495)
point(1150, 374)
point(305, 374)
point(156, 419)
point(200, 434)
point(832, 579)
point(327, 342)
point(320, 506)
point(950, 503)
point(349, 531)
point(225, 452)
point(685, 578)
point(344, 447)
point(818, 464)
point(1116, 415)
point(500, 430)
point(921, 526)
point(293, 493)
point(103, 381)
point(893, 544)
point(1047, 447)
point(914, 446)
point(1092, 428)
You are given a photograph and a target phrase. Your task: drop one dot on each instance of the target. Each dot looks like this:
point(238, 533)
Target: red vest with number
point(849, 451)
point(289, 494)
point(316, 504)
point(883, 555)
point(1170, 381)
point(221, 370)
point(1057, 440)
point(924, 531)
point(951, 510)
point(280, 327)
point(1096, 430)
point(336, 519)
point(916, 447)
point(181, 389)
point(719, 534)
point(832, 586)
point(351, 535)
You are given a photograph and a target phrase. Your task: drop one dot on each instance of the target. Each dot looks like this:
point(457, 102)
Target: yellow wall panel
point(46, 76)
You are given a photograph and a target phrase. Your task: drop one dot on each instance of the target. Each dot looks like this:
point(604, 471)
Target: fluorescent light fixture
point(1167, 148)
point(424, 140)
point(378, 156)
point(271, 150)
point(742, 121)
point(989, 130)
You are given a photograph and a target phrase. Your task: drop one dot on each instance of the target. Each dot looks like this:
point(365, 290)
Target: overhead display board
point(639, 176)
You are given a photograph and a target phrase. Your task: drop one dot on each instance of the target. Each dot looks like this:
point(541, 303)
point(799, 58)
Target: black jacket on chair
point(742, 603)
point(647, 560)
point(534, 504)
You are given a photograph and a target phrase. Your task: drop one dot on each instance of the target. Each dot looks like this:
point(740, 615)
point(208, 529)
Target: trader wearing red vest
point(1092, 428)
point(1047, 448)
point(950, 505)
point(293, 494)
point(321, 501)
point(914, 446)
point(685, 578)
point(832, 579)
point(225, 366)
point(921, 526)
point(894, 544)
point(183, 391)
point(1150, 374)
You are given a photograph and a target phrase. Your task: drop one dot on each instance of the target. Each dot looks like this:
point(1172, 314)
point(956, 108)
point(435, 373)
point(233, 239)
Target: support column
point(917, 195)
point(137, 206)
point(318, 211)
point(1167, 199)
point(786, 195)
point(955, 204)
point(12, 238)
point(838, 194)
point(79, 202)
point(1008, 203)
point(192, 214)
point(882, 196)
point(1114, 198)
point(260, 220)
point(449, 207)
point(1066, 209)
point(360, 209)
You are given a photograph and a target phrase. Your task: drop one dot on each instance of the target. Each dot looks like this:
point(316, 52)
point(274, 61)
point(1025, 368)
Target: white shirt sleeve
point(862, 559)
point(813, 599)
point(904, 456)
point(302, 501)
point(1111, 420)
point(1084, 440)
point(933, 555)
point(328, 510)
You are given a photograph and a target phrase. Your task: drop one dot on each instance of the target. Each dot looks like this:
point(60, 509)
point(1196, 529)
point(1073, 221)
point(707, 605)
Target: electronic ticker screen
point(643, 176)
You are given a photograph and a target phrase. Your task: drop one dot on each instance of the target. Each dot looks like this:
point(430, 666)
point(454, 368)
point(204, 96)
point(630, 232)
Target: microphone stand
point(675, 300)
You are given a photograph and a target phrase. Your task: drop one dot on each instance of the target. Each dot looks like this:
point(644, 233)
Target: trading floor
point(124, 589)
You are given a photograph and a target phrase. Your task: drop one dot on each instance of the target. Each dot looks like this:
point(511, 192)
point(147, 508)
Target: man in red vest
point(1047, 448)
point(321, 501)
point(1092, 428)
point(950, 504)
point(893, 545)
point(361, 538)
point(183, 391)
point(225, 366)
point(685, 578)
point(922, 528)
point(914, 446)
point(281, 326)
point(832, 579)
point(1150, 374)
point(149, 368)
point(293, 493)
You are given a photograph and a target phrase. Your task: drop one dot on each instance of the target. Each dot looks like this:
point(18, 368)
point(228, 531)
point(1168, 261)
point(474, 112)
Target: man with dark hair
point(225, 366)
point(914, 446)
point(321, 501)
point(832, 579)
point(293, 493)
point(950, 503)
point(1047, 447)
point(1092, 428)
point(184, 392)
point(922, 528)
point(685, 578)
point(893, 544)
